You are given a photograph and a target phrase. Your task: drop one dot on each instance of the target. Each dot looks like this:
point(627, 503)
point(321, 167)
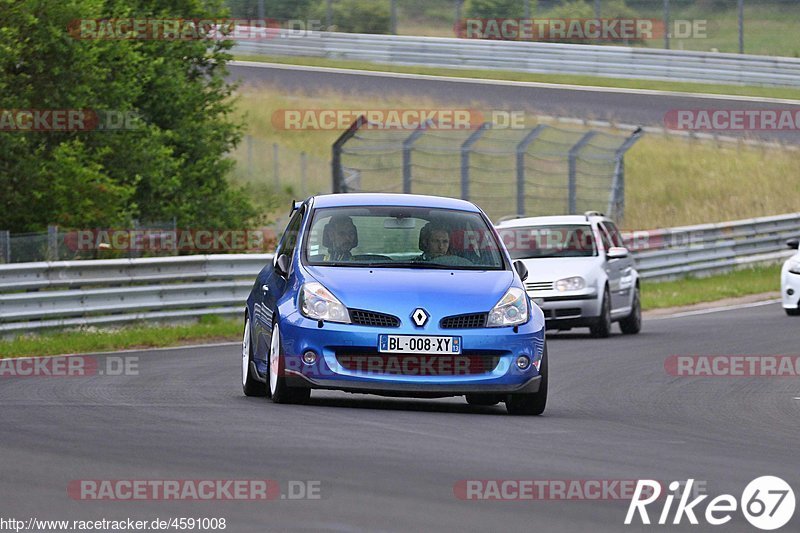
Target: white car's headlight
point(574, 283)
point(794, 266)
point(317, 303)
point(511, 310)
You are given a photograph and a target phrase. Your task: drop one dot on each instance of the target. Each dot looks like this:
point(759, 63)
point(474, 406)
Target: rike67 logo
point(767, 502)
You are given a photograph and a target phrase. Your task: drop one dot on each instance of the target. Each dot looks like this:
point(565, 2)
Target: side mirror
point(282, 265)
point(521, 269)
point(794, 244)
point(617, 252)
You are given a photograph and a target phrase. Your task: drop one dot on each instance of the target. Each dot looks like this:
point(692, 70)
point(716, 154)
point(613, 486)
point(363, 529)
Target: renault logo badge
point(420, 317)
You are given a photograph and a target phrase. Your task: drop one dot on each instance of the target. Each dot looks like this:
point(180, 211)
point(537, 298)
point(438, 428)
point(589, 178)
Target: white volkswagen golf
point(790, 281)
point(579, 272)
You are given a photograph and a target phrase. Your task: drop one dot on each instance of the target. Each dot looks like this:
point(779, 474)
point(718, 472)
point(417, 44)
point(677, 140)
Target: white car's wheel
point(250, 385)
point(278, 390)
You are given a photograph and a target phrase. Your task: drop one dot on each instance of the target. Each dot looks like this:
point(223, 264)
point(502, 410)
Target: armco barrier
point(535, 57)
point(76, 293)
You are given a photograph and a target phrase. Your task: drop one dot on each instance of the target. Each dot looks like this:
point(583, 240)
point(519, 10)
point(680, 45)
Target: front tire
point(531, 404)
point(602, 328)
point(277, 389)
point(632, 324)
point(250, 385)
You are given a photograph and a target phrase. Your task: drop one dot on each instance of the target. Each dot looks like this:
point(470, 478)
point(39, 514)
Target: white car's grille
point(539, 286)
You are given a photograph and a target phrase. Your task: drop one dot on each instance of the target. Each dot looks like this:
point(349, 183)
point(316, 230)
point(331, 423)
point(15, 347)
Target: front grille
point(539, 285)
point(473, 320)
point(561, 313)
point(371, 318)
point(403, 364)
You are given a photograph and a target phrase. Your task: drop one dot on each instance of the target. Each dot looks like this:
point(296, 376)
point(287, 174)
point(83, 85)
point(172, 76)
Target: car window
point(388, 236)
point(289, 240)
point(568, 240)
point(604, 236)
point(613, 232)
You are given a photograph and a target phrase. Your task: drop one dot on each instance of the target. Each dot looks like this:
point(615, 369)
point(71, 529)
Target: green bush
point(356, 16)
point(497, 8)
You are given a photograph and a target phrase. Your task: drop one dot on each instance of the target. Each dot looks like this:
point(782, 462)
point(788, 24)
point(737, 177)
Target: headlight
point(511, 310)
point(574, 283)
point(317, 303)
point(794, 266)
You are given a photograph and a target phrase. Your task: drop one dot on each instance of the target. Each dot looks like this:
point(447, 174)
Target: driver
point(339, 237)
point(434, 241)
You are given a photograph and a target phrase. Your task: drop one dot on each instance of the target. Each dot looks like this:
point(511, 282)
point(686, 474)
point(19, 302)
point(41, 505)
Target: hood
point(400, 291)
point(556, 268)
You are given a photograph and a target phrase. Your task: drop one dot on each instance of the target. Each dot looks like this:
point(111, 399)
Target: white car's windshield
point(549, 241)
point(412, 237)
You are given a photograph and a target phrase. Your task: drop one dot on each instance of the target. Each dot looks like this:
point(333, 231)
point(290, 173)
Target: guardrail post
point(5, 246)
point(339, 185)
point(573, 170)
point(521, 148)
point(408, 144)
point(465, 148)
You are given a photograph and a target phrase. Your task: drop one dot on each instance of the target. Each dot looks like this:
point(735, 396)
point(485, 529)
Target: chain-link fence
point(766, 27)
point(509, 172)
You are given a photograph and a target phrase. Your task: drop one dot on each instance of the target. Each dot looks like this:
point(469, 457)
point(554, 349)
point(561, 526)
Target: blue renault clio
point(395, 295)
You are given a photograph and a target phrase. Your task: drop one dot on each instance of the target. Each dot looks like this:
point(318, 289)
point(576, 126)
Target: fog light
point(523, 362)
point(309, 358)
point(790, 291)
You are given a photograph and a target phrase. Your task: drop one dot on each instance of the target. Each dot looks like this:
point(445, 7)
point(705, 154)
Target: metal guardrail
point(81, 293)
point(535, 57)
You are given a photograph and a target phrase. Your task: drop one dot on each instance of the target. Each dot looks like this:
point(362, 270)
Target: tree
point(173, 165)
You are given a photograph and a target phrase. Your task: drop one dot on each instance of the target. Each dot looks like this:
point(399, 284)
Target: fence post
point(336, 160)
point(5, 246)
point(465, 148)
point(616, 202)
point(408, 144)
point(521, 148)
point(303, 165)
point(666, 24)
point(52, 243)
point(741, 26)
point(573, 170)
point(276, 166)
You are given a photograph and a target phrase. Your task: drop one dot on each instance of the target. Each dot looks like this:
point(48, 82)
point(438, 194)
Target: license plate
point(419, 344)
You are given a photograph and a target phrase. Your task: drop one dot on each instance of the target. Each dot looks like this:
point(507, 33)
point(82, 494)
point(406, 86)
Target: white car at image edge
point(790, 281)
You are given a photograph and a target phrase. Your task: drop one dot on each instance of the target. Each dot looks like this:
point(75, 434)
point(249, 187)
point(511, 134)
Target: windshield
point(549, 241)
point(407, 237)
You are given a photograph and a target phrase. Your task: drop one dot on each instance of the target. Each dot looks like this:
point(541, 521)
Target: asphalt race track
point(629, 107)
point(392, 464)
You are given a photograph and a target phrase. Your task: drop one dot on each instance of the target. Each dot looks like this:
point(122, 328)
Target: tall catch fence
point(543, 170)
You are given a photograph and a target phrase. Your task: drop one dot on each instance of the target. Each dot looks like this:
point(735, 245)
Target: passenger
point(434, 241)
point(339, 236)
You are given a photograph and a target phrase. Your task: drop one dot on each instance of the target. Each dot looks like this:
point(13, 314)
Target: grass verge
point(208, 329)
point(688, 291)
point(564, 79)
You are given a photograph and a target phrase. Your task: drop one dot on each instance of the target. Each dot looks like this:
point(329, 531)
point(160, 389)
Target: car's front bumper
point(332, 343)
point(571, 309)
